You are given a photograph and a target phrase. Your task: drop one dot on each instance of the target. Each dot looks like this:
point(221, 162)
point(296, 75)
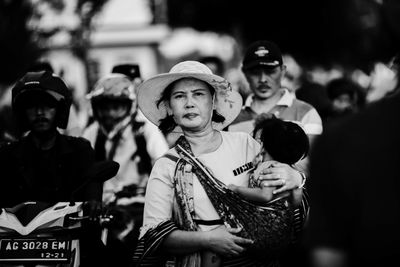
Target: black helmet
point(43, 82)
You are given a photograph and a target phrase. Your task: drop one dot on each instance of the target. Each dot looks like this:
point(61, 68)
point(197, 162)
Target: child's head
point(283, 141)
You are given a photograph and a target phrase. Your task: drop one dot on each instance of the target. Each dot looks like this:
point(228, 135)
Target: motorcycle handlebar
point(99, 172)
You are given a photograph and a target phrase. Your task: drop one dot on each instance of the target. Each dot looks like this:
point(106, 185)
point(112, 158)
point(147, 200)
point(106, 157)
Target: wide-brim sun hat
point(228, 102)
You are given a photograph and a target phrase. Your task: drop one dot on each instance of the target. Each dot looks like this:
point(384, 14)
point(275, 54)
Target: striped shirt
point(287, 108)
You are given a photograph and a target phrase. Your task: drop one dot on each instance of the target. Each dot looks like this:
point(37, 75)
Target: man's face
point(41, 115)
point(265, 82)
point(111, 112)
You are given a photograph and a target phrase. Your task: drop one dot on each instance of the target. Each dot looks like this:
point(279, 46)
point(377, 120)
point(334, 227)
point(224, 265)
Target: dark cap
point(130, 70)
point(262, 53)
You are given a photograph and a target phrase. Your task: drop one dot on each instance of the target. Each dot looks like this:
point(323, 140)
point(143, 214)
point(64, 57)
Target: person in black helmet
point(44, 165)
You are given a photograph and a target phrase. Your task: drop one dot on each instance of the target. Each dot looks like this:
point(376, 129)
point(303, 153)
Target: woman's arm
point(158, 208)
point(256, 194)
point(221, 240)
point(281, 175)
point(263, 194)
point(297, 196)
point(184, 242)
point(283, 178)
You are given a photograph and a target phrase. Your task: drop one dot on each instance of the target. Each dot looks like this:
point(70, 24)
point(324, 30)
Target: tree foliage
point(352, 33)
point(86, 10)
point(80, 36)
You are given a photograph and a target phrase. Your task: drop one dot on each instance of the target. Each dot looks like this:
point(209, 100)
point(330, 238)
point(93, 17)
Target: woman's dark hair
point(168, 123)
point(284, 141)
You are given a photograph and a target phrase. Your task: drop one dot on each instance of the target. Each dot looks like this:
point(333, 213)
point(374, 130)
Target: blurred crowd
point(334, 92)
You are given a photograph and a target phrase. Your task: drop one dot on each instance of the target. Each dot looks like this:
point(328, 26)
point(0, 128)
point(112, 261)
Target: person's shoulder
point(91, 129)
point(16, 144)
point(149, 127)
point(388, 107)
point(142, 125)
point(379, 116)
point(167, 160)
point(246, 114)
point(305, 113)
point(8, 146)
point(76, 141)
point(302, 104)
point(11, 150)
point(362, 127)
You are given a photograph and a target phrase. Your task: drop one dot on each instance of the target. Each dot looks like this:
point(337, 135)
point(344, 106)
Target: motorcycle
point(43, 234)
point(121, 220)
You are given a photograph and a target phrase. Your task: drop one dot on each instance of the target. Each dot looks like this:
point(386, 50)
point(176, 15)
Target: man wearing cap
point(264, 70)
point(44, 165)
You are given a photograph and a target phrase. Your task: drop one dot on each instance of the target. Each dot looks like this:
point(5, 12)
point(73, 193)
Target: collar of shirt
point(286, 99)
point(118, 128)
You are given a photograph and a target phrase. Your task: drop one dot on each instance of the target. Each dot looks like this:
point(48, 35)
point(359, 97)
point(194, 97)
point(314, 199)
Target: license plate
point(54, 250)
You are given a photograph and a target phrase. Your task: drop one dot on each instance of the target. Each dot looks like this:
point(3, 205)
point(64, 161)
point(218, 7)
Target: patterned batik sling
point(148, 251)
point(269, 225)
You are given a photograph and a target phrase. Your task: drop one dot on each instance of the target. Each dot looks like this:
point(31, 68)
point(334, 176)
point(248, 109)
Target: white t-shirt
point(230, 163)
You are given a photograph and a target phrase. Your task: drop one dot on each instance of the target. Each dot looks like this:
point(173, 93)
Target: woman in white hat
point(181, 216)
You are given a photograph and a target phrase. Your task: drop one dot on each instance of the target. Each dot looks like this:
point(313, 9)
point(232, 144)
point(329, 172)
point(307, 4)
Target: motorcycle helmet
point(41, 84)
point(113, 87)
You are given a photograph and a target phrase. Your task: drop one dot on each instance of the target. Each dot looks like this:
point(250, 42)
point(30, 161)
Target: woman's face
point(191, 104)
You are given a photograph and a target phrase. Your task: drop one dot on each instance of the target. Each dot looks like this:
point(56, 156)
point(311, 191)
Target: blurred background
point(83, 39)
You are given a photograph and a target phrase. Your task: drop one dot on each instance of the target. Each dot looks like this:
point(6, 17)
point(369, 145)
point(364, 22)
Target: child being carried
point(281, 142)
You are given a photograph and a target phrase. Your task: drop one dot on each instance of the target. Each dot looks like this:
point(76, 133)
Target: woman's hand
point(281, 175)
point(224, 242)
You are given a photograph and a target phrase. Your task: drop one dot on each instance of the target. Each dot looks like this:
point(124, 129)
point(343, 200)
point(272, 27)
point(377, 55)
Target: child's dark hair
point(284, 141)
point(168, 123)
